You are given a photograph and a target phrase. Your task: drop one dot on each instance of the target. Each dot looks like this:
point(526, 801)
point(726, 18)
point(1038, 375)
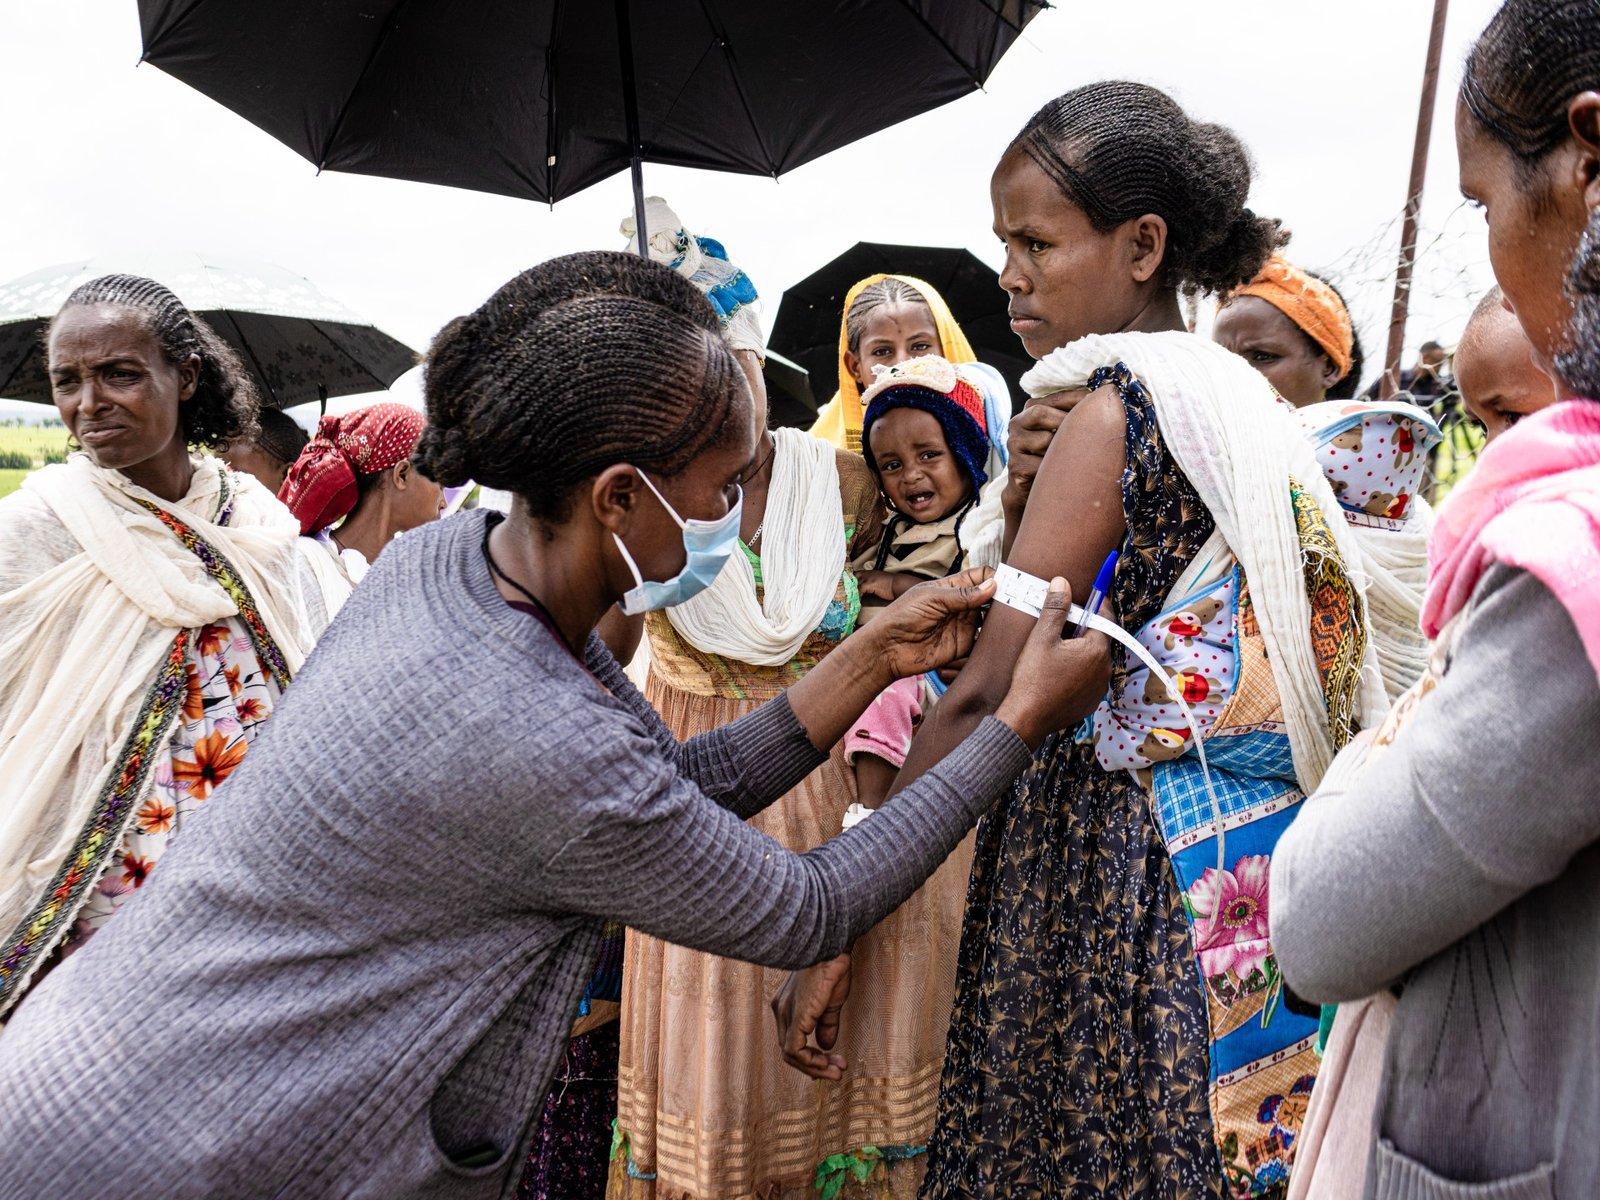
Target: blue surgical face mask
point(708, 544)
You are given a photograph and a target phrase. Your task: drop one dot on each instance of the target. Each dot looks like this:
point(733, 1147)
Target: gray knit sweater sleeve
point(1485, 795)
point(698, 876)
point(744, 765)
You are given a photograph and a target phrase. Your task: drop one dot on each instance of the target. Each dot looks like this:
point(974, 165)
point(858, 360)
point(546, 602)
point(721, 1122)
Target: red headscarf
point(321, 487)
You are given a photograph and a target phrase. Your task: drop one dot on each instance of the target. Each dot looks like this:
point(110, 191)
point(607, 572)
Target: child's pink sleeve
point(885, 728)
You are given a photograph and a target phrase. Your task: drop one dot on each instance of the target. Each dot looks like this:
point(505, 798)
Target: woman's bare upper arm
point(1074, 516)
point(1073, 520)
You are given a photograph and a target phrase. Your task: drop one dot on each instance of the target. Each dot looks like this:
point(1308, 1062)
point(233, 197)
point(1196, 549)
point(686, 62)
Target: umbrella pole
point(630, 107)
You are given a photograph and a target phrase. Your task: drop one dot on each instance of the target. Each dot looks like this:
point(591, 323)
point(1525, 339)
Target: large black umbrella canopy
point(298, 344)
point(530, 98)
point(807, 325)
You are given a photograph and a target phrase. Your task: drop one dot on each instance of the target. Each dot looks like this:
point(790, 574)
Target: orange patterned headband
point(1309, 303)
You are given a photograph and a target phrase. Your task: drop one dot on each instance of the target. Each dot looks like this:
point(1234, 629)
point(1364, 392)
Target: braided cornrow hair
point(1120, 150)
point(225, 404)
point(1531, 60)
point(884, 293)
point(574, 366)
point(280, 436)
point(1346, 388)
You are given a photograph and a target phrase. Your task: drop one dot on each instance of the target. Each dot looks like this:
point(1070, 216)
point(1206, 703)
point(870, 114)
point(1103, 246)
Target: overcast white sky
point(100, 156)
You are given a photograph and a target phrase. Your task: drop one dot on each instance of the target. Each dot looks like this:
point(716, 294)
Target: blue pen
point(1102, 585)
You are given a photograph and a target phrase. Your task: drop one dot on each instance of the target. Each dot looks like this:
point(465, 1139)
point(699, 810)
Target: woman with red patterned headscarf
point(352, 489)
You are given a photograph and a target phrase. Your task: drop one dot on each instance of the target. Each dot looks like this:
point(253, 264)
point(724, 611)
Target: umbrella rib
point(945, 45)
point(550, 139)
point(173, 24)
point(678, 95)
point(999, 12)
point(377, 47)
point(5, 384)
point(738, 86)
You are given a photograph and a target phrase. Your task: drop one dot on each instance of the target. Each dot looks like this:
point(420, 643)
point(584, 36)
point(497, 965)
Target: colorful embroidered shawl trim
point(44, 927)
point(219, 568)
point(1338, 618)
point(38, 934)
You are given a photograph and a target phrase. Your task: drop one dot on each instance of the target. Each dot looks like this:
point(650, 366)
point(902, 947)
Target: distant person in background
point(150, 617)
point(1495, 369)
point(352, 489)
point(270, 453)
point(1294, 328)
point(1428, 381)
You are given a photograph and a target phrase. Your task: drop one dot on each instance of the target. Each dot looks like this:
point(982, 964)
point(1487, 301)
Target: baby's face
point(1495, 372)
point(918, 473)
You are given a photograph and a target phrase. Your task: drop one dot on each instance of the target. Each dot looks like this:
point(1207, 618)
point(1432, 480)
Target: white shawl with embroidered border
point(93, 590)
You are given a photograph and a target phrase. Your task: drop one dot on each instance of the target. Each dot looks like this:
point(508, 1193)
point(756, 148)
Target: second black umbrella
point(807, 325)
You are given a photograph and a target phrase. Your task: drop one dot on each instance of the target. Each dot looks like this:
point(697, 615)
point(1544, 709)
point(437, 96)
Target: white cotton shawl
point(1238, 446)
point(334, 573)
point(93, 588)
point(1396, 569)
point(802, 557)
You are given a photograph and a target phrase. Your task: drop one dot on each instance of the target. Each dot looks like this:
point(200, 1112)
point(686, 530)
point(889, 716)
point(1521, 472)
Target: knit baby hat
point(935, 386)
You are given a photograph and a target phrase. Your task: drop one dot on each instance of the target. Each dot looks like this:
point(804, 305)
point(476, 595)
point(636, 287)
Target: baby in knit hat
point(925, 437)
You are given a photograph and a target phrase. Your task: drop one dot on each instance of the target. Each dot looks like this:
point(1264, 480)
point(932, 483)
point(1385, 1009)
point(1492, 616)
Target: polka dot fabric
point(1374, 455)
point(323, 484)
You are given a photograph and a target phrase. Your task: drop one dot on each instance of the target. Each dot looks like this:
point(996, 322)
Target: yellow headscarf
point(839, 420)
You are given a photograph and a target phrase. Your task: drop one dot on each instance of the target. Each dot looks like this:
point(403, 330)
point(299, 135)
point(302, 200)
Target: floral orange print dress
point(227, 696)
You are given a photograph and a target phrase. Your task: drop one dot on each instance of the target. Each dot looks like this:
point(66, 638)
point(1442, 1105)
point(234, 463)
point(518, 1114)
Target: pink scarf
point(1532, 501)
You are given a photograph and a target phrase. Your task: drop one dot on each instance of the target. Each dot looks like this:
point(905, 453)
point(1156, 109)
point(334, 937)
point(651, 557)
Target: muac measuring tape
point(1026, 593)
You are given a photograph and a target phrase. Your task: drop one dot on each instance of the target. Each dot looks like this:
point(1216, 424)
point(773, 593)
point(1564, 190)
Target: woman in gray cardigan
point(1456, 853)
point(357, 971)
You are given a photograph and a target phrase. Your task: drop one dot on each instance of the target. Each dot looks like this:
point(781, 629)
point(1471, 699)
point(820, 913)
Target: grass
point(36, 441)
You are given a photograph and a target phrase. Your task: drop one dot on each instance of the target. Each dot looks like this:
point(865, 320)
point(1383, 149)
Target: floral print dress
point(228, 694)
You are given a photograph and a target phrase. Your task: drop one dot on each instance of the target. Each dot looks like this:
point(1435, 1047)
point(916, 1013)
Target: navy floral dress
point(1077, 1064)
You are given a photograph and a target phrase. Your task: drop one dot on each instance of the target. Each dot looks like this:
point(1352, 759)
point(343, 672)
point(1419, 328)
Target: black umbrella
point(298, 344)
point(807, 325)
point(789, 399)
point(539, 98)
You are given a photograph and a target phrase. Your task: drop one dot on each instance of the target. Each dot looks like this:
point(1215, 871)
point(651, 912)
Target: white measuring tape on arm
point(1026, 593)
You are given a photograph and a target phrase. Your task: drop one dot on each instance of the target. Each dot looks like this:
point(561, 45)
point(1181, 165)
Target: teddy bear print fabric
point(1374, 455)
point(1262, 1054)
point(1140, 723)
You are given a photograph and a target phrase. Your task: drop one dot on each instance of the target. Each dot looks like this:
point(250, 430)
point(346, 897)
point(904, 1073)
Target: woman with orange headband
point(1295, 329)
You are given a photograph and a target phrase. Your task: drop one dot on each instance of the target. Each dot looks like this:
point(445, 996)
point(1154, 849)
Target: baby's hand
point(877, 584)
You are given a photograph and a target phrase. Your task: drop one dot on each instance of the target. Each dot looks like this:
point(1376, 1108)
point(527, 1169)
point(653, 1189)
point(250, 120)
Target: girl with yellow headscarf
point(887, 319)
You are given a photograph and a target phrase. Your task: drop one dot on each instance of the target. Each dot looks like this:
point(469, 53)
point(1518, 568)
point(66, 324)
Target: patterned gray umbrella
point(298, 344)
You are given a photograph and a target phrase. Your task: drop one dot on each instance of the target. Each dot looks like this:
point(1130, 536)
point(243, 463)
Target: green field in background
point(36, 441)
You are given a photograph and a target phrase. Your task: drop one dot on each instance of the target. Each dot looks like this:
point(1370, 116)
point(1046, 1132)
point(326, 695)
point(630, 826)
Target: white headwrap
point(704, 263)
